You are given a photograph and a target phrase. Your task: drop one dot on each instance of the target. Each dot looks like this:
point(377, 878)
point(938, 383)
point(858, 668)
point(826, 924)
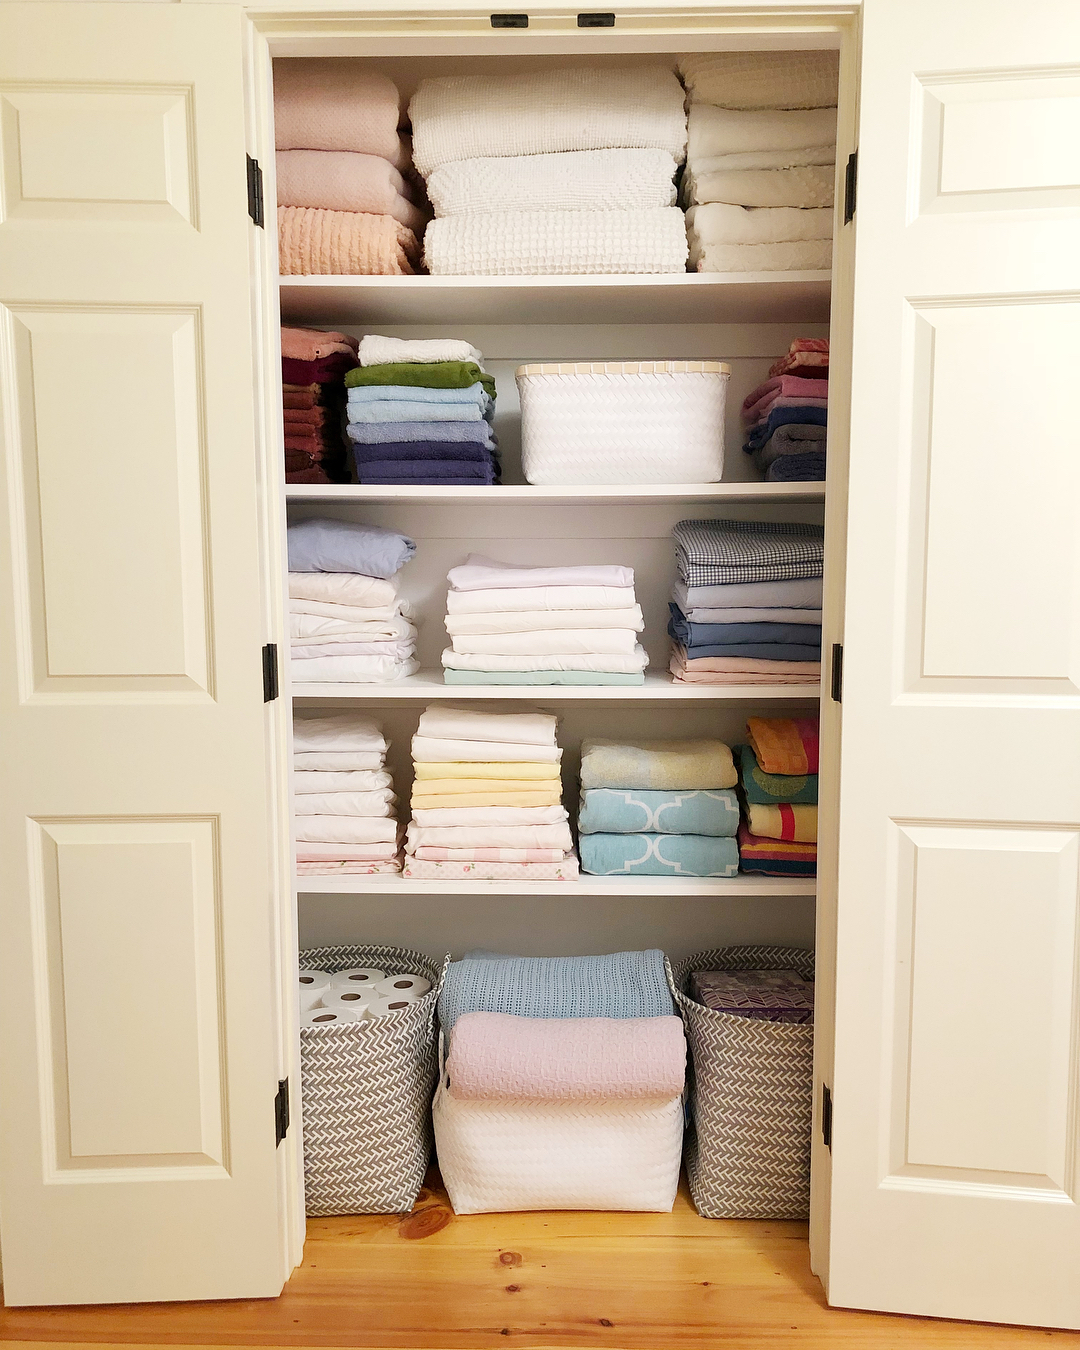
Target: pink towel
point(765, 407)
point(311, 344)
point(343, 243)
point(780, 386)
point(496, 1055)
point(336, 103)
point(340, 180)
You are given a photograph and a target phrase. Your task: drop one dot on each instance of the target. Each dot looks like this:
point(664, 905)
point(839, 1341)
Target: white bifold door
point(955, 1159)
point(138, 1009)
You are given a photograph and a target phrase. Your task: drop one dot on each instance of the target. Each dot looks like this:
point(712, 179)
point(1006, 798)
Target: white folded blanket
point(343, 588)
point(536, 620)
point(450, 722)
point(321, 732)
point(558, 243)
point(353, 670)
point(313, 628)
point(763, 159)
point(575, 180)
point(811, 186)
point(584, 108)
point(380, 803)
point(722, 131)
point(480, 816)
point(721, 223)
point(610, 664)
point(809, 255)
point(762, 79)
point(489, 836)
point(478, 573)
point(345, 829)
point(337, 761)
point(381, 351)
point(443, 750)
point(346, 781)
point(557, 642)
point(510, 599)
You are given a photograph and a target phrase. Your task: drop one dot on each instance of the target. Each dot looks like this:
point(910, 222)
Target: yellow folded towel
point(501, 769)
point(438, 801)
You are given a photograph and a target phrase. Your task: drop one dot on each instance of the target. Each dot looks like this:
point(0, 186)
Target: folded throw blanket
point(309, 344)
point(539, 243)
point(422, 869)
point(793, 823)
point(809, 186)
point(479, 573)
point(762, 79)
point(637, 811)
point(347, 546)
point(313, 242)
point(797, 469)
point(723, 131)
point(380, 433)
point(340, 180)
point(720, 223)
point(540, 677)
point(623, 985)
point(662, 765)
point(584, 108)
point(575, 180)
point(764, 789)
point(775, 857)
point(716, 552)
point(330, 103)
point(784, 744)
point(381, 351)
point(658, 855)
point(765, 159)
point(812, 255)
point(494, 1056)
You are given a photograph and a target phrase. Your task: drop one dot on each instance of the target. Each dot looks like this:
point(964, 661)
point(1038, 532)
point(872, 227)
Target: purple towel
point(808, 468)
point(422, 450)
point(426, 471)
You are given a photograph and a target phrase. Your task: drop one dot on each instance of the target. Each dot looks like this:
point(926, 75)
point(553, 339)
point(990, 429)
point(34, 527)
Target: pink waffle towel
point(497, 1055)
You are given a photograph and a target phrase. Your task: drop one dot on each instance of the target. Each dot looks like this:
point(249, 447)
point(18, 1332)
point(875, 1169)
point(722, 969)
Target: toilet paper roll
point(357, 999)
point(359, 976)
point(311, 998)
point(314, 979)
point(387, 1007)
point(396, 985)
point(329, 1017)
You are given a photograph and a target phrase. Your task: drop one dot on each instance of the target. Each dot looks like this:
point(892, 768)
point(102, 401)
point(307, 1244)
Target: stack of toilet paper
point(358, 995)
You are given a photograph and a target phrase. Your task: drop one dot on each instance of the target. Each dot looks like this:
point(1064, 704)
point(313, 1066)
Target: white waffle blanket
point(574, 180)
point(762, 79)
point(534, 243)
point(470, 116)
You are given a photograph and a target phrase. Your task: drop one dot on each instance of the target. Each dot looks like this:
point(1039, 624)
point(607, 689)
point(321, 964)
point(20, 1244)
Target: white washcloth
point(611, 664)
point(489, 836)
point(345, 781)
point(346, 829)
point(584, 108)
point(381, 351)
point(442, 750)
point(314, 628)
point(478, 573)
point(353, 670)
point(338, 761)
point(535, 620)
point(575, 180)
point(809, 255)
point(721, 131)
point(511, 599)
point(343, 588)
point(811, 186)
point(763, 159)
point(556, 642)
point(480, 816)
point(762, 79)
point(380, 803)
point(557, 243)
point(447, 721)
point(721, 223)
point(343, 731)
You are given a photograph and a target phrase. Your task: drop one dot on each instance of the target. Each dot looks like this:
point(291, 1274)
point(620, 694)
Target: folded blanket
point(540, 677)
point(526, 727)
point(485, 817)
point(333, 760)
point(307, 781)
point(315, 852)
point(575, 180)
point(623, 985)
point(421, 869)
point(494, 1056)
point(550, 243)
point(377, 803)
point(793, 438)
point(765, 159)
point(784, 744)
point(721, 223)
point(441, 749)
point(354, 670)
point(774, 857)
point(536, 598)
point(801, 616)
point(329, 867)
point(745, 665)
point(662, 765)
point(658, 855)
point(313, 242)
point(533, 620)
point(630, 811)
point(348, 733)
point(311, 344)
point(309, 629)
point(558, 641)
point(421, 471)
point(784, 821)
point(478, 573)
point(797, 592)
point(611, 664)
point(765, 789)
point(345, 829)
point(780, 79)
point(766, 651)
point(584, 108)
point(422, 375)
point(723, 131)
point(326, 370)
point(812, 255)
point(330, 103)
point(343, 588)
point(347, 546)
point(398, 410)
point(379, 351)
point(341, 180)
point(681, 675)
point(718, 552)
point(518, 855)
point(390, 433)
point(811, 186)
point(692, 636)
point(495, 769)
point(489, 836)
point(797, 469)
point(466, 800)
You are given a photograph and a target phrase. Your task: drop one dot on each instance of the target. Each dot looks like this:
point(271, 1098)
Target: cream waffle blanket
point(762, 79)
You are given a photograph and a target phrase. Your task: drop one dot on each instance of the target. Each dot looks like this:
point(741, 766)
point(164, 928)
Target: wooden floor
point(432, 1281)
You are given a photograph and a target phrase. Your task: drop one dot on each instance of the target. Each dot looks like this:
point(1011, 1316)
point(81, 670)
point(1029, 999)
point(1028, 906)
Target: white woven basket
point(623, 421)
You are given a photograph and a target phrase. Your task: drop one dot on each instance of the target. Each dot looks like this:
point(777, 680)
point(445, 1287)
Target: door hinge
point(255, 191)
point(509, 21)
point(838, 672)
point(851, 177)
point(826, 1117)
point(270, 679)
point(281, 1110)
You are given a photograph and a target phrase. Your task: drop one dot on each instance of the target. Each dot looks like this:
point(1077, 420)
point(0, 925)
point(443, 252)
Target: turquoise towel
point(768, 789)
point(658, 855)
point(639, 811)
point(453, 676)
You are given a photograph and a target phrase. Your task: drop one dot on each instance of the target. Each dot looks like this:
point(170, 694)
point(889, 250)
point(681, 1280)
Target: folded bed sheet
point(679, 855)
point(424, 869)
point(637, 811)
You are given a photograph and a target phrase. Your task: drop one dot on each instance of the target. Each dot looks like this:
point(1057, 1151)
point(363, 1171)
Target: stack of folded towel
point(487, 798)
point(511, 624)
point(313, 367)
point(346, 620)
point(779, 791)
point(786, 417)
point(746, 607)
point(563, 1083)
point(557, 171)
point(344, 206)
point(420, 412)
point(761, 160)
point(344, 800)
point(658, 808)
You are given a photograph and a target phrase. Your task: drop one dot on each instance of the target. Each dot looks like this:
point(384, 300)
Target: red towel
point(329, 370)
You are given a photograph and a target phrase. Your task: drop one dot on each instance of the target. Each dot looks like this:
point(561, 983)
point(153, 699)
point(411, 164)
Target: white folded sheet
point(345, 829)
point(370, 780)
point(777, 79)
point(351, 613)
point(812, 186)
point(381, 351)
point(724, 131)
point(315, 852)
point(379, 803)
point(810, 255)
point(352, 670)
point(342, 588)
point(536, 620)
point(312, 627)
point(764, 159)
point(338, 761)
point(505, 599)
point(488, 836)
point(397, 651)
point(441, 750)
point(610, 664)
point(479, 816)
point(448, 721)
point(722, 223)
point(478, 573)
point(556, 641)
point(350, 732)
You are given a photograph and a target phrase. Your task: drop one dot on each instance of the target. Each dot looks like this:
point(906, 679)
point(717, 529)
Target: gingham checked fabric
point(725, 552)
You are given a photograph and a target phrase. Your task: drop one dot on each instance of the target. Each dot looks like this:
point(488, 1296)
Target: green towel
point(540, 677)
point(767, 789)
point(438, 375)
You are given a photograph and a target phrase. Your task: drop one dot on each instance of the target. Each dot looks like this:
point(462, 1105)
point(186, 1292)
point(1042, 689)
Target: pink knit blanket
point(343, 243)
point(340, 180)
point(335, 103)
point(496, 1055)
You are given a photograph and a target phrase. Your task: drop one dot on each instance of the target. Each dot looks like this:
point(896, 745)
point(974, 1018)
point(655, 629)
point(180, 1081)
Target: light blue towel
point(625, 984)
point(395, 433)
point(658, 855)
point(346, 546)
point(641, 811)
point(412, 393)
point(388, 410)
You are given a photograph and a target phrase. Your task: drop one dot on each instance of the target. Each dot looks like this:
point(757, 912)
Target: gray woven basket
point(367, 1090)
point(751, 1096)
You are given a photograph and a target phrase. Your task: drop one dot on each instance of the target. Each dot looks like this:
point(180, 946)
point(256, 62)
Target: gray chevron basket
point(367, 1090)
point(751, 1093)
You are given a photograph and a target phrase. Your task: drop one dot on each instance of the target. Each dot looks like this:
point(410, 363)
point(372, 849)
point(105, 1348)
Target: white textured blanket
point(585, 108)
point(811, 186)
point(573, 180)
point(722, 131)
point(535, 243)
point(762, 79)
point(762, 159)
point(807, 255)
point(720, 223)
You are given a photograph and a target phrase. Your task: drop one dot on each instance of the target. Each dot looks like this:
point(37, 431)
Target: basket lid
point(625, 368)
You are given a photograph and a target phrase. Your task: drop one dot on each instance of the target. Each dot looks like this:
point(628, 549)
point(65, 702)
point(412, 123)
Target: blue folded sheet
point(658, 855)
point(713, 811)
point(694, 636)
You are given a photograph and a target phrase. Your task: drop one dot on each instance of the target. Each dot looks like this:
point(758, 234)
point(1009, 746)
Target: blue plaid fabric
point(727, 552)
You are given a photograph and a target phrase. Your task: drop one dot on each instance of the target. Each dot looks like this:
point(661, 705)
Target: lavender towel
point(808, 468)
point(413, 450)
point(431, 471)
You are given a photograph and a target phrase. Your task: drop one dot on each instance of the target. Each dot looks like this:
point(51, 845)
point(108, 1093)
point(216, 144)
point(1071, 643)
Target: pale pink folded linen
point(744, 664)
point(328, 868)
point(340, 180)
point(311, 344)
point(310, 852)
point(680, 676)
point(421, 869)
point(497, 1056)
point(787, 386)
point(319, 243)
point(510, 855)
point(337, 103)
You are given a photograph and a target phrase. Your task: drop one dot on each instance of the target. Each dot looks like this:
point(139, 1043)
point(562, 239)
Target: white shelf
point(630, 887)
point(684, 297)
point(428, 684)
point(622, 494)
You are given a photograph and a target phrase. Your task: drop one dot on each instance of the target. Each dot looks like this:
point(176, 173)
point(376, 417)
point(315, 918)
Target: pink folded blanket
point(343, 243)
point(341, 180)
point(336, 103)
point(497, 1055)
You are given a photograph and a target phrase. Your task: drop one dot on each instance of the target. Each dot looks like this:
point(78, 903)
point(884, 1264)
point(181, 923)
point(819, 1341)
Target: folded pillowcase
point(346, 546)
point(636, 811)
point(661, 765)
point(680, 855)
point(784, 821)
point(761, 788)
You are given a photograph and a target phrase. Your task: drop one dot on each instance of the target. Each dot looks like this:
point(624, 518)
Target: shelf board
point(428, 684)
point(627, 887)
point(621, 494)
point(683, 297)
